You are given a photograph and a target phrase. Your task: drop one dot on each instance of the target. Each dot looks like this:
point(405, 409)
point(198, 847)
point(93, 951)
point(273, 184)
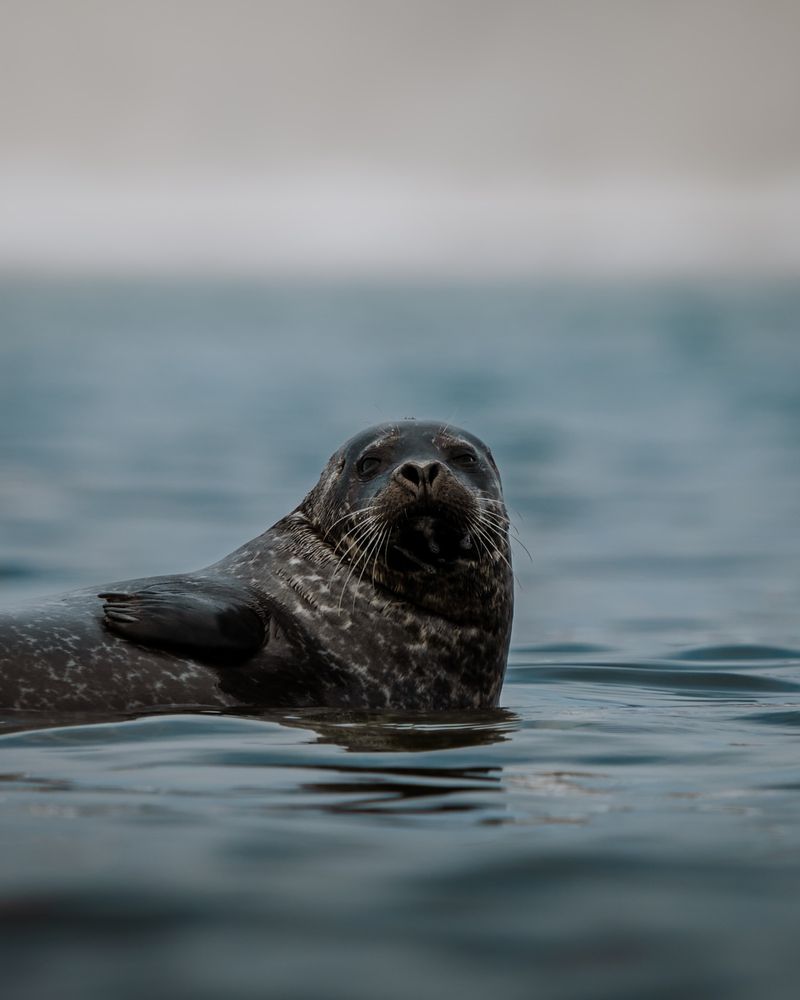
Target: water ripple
point(653, 675)
point(741, 653)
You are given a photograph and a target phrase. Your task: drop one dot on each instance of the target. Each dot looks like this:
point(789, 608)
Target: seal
point(388, 587)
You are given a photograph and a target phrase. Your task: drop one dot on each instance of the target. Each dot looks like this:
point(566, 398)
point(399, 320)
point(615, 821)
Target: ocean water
point(625, 825)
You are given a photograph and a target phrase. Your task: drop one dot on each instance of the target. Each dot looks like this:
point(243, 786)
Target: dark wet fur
point(390, 586)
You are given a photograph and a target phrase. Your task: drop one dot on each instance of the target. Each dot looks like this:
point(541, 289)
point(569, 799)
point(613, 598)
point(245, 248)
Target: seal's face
point(409, 501)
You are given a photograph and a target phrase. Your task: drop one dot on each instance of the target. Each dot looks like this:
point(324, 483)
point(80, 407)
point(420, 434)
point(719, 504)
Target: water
point(627, 825)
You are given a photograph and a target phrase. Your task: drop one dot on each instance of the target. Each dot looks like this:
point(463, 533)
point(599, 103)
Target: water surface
point(626, 825)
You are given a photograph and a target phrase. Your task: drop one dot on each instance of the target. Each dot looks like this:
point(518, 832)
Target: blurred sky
point(408, 138)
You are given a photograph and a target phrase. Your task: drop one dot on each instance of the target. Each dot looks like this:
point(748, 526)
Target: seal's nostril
point(421, 476)
point(410, 472)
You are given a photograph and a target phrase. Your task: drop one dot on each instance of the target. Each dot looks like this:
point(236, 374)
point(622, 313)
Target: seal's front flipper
point(210, 620)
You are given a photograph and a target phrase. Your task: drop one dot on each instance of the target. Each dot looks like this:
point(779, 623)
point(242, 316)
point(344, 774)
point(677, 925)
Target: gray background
point(416, 139)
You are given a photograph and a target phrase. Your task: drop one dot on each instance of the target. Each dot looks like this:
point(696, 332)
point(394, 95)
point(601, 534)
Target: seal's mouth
point(429, 537)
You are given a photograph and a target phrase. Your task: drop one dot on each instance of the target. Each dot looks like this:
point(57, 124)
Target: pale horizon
point(447, 139)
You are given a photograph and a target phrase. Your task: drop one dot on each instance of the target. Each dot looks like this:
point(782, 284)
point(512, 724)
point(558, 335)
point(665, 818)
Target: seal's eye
point(466, 459)
point(368, 465)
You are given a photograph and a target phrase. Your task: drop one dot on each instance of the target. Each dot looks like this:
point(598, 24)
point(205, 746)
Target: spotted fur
point(380, 590)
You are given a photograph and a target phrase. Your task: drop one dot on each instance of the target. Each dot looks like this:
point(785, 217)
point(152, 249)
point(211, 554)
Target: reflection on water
point(403, 790)
point(355, 730)
point(625, 827)
point(385, 732)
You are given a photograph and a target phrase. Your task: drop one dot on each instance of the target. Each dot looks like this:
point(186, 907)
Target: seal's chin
point(429, 538)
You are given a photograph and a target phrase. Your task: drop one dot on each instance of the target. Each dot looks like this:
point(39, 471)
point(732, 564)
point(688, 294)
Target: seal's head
point(417, 507)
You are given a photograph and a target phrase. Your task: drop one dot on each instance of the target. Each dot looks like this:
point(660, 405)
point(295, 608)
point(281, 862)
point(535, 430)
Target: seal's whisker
point(505, 559)
point(496, 518)
point(499, 503)
point(366, 537)
point(487, 542)
point(485, 498)
point(491, 545)
point(384, 537)
point(360, 534)
point(515, 537)
point(346, 544)
point(374, 549)
point(365, 522)
point(347, 580)
point(363, 558)
point(492, 519)
point(354, 540)
point(503, 521)
point(349, 539)
point(495, 528)
point(350, 513)
point(511, 529)
point(499, 506)
point(386, 544)
point(500, 522)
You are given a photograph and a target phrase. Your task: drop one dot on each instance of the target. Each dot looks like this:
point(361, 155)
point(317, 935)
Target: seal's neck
point(478, 593)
